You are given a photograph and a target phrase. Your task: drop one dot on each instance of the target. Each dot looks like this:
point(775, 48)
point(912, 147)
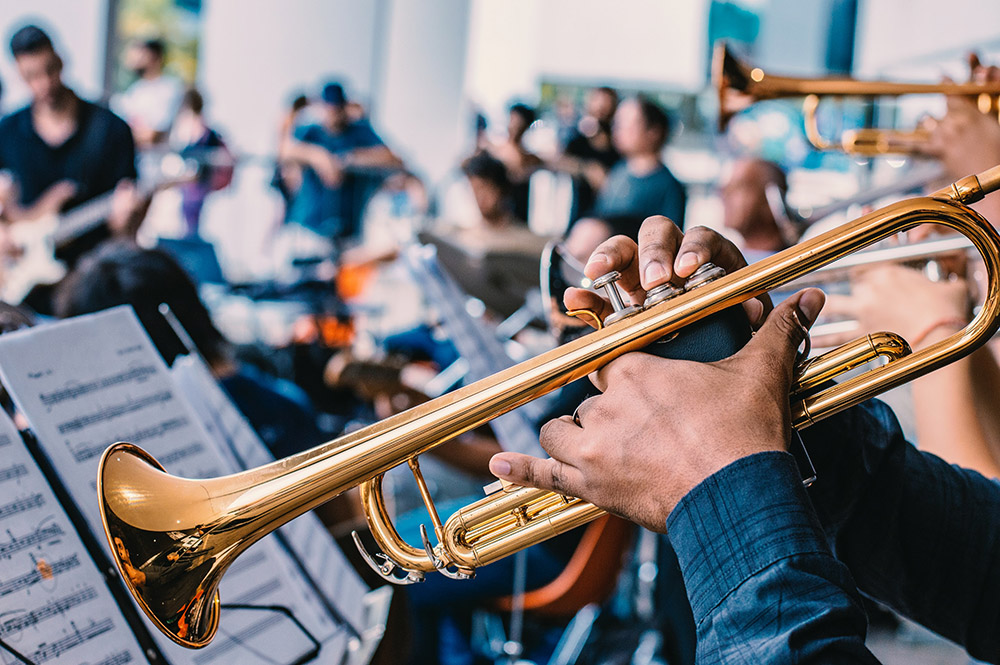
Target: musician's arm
point(375, 157)
point(763, 584)
point(50, 202)
point(917, 533)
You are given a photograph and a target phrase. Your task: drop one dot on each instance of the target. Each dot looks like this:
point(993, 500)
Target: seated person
point(520, 161)
point(748, 209)
point(331, 154)
point(774, 572)
point(120, 273)
point(641, 185)
point(590, 152)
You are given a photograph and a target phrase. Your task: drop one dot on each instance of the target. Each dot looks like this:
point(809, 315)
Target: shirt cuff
point(739, 521)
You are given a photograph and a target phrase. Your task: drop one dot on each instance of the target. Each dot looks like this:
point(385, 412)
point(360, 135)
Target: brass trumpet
point(739, 86)
point(173, 538)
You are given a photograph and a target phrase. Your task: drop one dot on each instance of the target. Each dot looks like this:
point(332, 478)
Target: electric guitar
point(35, 242)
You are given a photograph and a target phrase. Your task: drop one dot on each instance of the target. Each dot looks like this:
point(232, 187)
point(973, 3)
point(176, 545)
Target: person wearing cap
point(332, 153)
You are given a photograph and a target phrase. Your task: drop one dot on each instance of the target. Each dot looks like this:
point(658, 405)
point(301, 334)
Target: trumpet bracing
point(173, 538)
point(739, 85)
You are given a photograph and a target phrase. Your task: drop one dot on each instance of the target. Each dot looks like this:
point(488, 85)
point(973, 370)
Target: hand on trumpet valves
point(901, 300)
point(663, 254)
point(661, 427)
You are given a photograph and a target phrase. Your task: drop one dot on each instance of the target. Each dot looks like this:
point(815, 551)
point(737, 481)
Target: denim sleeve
point(918, 534)
point(763, 584)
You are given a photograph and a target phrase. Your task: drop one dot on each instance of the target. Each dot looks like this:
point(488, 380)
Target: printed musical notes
point(54, 605)
point(86, 383)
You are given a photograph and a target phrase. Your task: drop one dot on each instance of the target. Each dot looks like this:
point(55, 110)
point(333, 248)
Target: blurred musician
point(60, 149)
point(641, 185)
point(63, 151)
point(519, 161)
point(326, 201)
point(748, 209)
point(590, 152)
point(152, 101)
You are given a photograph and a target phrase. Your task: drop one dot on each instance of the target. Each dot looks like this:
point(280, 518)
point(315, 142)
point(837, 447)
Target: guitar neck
point(90, 215)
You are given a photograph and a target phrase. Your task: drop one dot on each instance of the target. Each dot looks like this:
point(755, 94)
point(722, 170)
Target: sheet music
point(306, 535)
point(54, 604)
point(90, 381)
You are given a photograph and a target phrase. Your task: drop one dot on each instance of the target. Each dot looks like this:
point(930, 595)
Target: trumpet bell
point(171, 560)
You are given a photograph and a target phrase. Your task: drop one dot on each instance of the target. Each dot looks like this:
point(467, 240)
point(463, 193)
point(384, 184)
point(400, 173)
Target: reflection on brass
point(739, 86)
point(173, 538)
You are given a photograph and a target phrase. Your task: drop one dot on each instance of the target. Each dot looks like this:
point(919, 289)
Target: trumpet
point(173, 538)
point(739, 85)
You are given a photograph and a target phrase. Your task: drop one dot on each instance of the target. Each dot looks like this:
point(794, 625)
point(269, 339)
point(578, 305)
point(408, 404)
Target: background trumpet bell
point(740, 85)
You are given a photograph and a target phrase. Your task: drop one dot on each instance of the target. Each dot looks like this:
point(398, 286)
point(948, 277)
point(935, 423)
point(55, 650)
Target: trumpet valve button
point(621, 310)
point(703, 275)
point(660, 293)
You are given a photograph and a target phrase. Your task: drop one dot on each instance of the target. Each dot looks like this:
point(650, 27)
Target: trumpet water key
point(173, 538)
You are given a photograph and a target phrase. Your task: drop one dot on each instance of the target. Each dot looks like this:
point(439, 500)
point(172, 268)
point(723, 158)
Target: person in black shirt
point(520, 162)
point(590, 152)
point(60, 150)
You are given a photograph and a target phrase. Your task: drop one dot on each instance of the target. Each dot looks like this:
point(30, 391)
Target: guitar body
point(41, 243)
point(35, 262)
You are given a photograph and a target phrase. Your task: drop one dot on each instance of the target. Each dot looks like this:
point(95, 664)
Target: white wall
point(901, 33)
point(77, 28)
point(257, 53)
point(793, 37)
point(515, 44)
point(643, 41)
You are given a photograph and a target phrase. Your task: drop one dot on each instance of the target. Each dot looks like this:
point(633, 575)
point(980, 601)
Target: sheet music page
point(54, 605)
point(88, 382)
point(306, 535)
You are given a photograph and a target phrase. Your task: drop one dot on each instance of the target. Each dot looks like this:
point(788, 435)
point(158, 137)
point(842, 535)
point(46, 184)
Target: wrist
point(936, 330)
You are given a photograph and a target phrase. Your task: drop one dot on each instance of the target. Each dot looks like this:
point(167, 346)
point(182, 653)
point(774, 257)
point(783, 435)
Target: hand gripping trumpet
point(173, 538)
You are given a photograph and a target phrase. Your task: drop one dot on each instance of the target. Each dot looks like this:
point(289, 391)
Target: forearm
point(948, 418)
point(763, 584)
point(374, 157)
point(916, 533)
point(986, 387)
point(292, 151)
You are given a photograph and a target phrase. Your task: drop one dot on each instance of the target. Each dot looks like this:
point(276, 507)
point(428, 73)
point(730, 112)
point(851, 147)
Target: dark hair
point(654, 117)
point(156, 46)
point(525, 112)
point(299, 103)
point(120, 273)
point(30, 39)
point(774, 173)
point(487, 167)
point(609, 91)
point(193, 100)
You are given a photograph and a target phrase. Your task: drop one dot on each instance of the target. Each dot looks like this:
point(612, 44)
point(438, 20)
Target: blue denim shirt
point(773, 571)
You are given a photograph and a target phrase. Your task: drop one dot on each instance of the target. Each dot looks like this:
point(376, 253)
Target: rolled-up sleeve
point(763, 583)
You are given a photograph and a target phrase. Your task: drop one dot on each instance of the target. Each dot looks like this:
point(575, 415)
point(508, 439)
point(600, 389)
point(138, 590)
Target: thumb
point(785, 329)
point(546, 474)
